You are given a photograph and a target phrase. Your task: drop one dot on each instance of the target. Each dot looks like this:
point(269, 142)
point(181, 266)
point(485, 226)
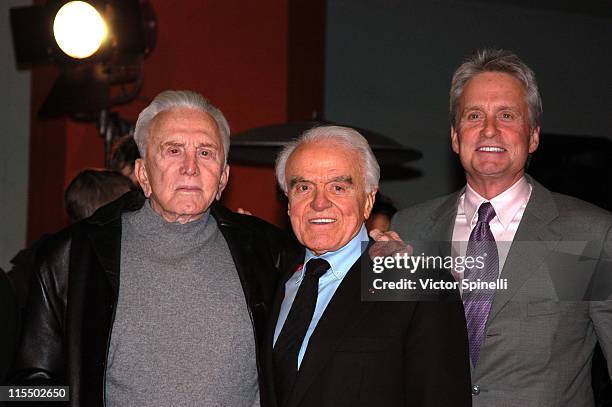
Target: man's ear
point(534, 140)
point(140, 171)
point(454, 139)
point(369, 203)
point(223, 181)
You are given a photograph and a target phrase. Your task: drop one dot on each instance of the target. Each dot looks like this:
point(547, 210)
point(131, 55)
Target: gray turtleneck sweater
point(182, 334)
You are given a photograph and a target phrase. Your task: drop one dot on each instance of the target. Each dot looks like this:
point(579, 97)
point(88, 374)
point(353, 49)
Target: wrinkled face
point(327, 198)
point(493, 136)
point(182, 172)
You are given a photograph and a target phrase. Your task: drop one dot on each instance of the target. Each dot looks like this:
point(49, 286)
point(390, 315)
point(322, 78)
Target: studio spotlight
point(79, 29)
point(97, 44)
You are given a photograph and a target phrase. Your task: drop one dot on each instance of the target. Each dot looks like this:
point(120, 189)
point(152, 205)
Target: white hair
point(172, 99)
point(343, 136)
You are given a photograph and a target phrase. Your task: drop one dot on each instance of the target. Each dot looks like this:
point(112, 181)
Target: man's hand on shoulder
point(387, 243)
point(243, 212)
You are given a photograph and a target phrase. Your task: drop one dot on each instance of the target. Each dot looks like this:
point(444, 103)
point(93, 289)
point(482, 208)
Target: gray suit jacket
point(542, 330)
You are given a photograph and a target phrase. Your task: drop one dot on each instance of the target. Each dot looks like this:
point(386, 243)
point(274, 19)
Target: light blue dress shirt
point(340, 263)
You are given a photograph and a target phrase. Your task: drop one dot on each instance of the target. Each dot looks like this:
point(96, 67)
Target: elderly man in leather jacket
point(160, 300)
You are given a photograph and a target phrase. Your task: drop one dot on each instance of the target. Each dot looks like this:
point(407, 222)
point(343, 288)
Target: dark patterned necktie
point(477, 303)
point(292, 334)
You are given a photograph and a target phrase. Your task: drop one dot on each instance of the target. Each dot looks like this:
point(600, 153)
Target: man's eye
point(507, 116)
point(204, 153)
point(338, 188)
point(173, 150)
point(301, 188)
point(473, 116)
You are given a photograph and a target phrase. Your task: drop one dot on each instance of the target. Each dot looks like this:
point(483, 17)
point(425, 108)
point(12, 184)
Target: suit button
point(475, 390)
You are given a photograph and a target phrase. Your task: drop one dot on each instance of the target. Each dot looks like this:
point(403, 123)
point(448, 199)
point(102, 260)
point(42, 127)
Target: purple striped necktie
point(477, 303)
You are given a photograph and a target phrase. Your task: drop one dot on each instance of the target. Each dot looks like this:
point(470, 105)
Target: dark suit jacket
point(541, 331)
point(380, 353)
point(9, 323)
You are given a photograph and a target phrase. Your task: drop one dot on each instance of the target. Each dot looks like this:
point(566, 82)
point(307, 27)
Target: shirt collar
point(342, 259)
point(505, 204)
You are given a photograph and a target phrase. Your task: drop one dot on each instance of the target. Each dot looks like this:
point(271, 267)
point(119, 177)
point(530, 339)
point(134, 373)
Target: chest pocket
point(542, 307)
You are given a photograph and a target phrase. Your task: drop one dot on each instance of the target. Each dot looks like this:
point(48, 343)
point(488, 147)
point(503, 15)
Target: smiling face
point(182, 172)
point(327, 198)
point(493, 136)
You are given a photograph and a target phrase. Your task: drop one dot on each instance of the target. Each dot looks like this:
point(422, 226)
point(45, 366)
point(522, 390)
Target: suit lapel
point(269, 339)
point(532, 241)
point(443, 222)
point(343, 311)
point(279, 297)
point(240, 243)
point(104, 232)
point(106, 242)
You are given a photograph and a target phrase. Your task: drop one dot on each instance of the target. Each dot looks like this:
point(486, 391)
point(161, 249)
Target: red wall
point(234, 52)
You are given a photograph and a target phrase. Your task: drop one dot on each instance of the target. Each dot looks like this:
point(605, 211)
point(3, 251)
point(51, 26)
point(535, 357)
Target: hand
point(243, 212)
point(388, 244)
point(388, 236)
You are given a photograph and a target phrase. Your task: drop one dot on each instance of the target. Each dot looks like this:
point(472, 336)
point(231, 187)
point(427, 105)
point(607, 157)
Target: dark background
point(389, 65)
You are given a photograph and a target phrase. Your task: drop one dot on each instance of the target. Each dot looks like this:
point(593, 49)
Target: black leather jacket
point(73, 295)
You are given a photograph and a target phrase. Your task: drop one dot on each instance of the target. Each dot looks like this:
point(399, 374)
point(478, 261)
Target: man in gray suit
point(531, 343)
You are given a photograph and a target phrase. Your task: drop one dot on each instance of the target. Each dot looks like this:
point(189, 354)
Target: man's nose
point(320, 201)
point(490, 127)
point(190, 165)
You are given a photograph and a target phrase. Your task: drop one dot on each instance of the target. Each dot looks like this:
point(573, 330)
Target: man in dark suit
point(327, 347)
point(531, 344)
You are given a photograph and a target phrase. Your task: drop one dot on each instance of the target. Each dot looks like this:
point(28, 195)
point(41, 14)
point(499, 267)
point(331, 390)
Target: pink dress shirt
point(509, 208)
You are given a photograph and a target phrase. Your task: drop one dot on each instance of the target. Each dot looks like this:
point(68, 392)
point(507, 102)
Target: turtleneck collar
point(150, 225)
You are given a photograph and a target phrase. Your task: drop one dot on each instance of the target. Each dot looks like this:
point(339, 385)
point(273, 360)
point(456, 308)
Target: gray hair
point(344, 136)
point(172, 99)
point(497, 60)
